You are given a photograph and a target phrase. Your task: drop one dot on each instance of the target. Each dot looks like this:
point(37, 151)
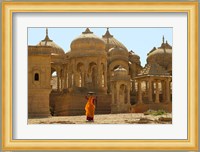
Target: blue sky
point(140, 40)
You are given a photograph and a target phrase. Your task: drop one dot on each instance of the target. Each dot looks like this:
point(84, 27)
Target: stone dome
point(48, 42)
point(161, 55)
point(118, 51)
point(111, 42)
point(87, 41)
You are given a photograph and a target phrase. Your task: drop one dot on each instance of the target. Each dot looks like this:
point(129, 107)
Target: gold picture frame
point(8, 8)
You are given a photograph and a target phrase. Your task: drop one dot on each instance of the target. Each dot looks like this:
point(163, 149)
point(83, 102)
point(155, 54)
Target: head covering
point(91, 93)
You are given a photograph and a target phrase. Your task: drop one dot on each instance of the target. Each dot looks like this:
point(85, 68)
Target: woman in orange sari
point(90, 107)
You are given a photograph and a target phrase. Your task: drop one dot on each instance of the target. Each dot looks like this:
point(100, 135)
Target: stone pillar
point(99, 74)
point(58, 80)
point(146, 83)
point(128, 95)
point(113, 93)
point(167, 91)
point(139, 92)
point(105, 75)
point(58, 83)
point(117, 90)
point(65, 80)
point(150, 91)
point(69, 80)
point(82, 79)
point(72, 78)
point(61, 84)
point(163, 91)
point(133, 85)
point(157, 93)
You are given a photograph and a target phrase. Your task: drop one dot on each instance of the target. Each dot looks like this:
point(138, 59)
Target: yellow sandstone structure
point(59, 81)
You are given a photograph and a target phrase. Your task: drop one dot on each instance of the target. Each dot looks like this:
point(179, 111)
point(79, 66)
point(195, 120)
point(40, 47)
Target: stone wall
point(140, 108)
point(74, 104)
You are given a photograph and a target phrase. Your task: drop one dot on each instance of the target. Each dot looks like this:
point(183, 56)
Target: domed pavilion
point(58, 82)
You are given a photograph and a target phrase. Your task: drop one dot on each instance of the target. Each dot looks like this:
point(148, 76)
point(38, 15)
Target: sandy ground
point(130, 118)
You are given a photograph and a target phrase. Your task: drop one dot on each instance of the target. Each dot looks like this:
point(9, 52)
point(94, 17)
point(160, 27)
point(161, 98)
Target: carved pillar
point(99, 76)
point(157, 93)
point(164, 91)
point(82, 79)
point(113, 93)
point(117, 90)
point(150, 91)
point(167, 91)
point(146, 84)
point(105, 75)
point(128, 94)
point(133, 85)
point(58, 80)
point(69, 80)
point(139, 92)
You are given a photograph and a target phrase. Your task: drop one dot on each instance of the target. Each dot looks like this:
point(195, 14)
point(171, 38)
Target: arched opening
point(54, 87)
point(36, 77)
point(54, 80)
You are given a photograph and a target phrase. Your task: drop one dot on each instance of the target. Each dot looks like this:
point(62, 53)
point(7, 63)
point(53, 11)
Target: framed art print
point(100, 75)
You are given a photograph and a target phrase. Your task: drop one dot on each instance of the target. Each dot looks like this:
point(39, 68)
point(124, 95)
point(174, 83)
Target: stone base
point(39, 115)
point(38, 103)
point(140, 108)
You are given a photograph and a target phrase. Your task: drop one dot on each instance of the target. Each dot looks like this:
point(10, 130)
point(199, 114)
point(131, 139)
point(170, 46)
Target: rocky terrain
point(128, 118)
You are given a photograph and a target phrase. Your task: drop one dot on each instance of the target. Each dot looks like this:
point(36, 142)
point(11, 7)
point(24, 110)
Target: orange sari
point(90, 108)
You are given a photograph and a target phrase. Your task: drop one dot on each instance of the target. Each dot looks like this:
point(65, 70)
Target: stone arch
point(54, 77)
point(115, 64)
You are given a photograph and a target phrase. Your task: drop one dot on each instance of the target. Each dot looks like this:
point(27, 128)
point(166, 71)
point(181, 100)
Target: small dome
point(111, 42)
point(87, 41)
point(48, 42)
point(117, 51)
point(161, 55)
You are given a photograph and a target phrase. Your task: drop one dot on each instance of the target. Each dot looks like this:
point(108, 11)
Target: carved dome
point(87, 41)
point(111, 42)
point(161, 55)
point(48, 42)
point(118, 51)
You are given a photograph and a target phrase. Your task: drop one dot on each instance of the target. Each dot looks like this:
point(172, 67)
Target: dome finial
point(46, 31)
point(163, 39)
point(107, 34)
point(47, 36)
point(87, 31)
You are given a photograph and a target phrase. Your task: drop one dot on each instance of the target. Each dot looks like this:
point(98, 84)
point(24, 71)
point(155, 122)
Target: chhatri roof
point(164, 48)
point(153, 69)
point(111, 41)
point(48, 42)
point(87, 40)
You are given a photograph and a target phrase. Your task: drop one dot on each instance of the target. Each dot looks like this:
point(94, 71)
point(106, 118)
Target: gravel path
point(130, 118)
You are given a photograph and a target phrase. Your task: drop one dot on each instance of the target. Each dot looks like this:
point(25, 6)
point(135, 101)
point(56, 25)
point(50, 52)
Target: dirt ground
point(128, 118)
